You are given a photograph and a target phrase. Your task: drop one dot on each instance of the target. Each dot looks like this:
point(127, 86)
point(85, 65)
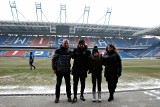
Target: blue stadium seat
point(38, 53)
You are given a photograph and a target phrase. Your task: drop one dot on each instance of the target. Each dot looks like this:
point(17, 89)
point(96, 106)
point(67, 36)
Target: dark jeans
point(112, 84)
point(96, 78)
point(66, 76)
point(76, 78)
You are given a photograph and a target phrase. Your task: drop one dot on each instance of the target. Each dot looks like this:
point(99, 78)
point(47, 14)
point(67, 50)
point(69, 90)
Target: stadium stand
point(2, 52)
point(87, 41)
point(153, 52)
point(124, 54)
point(19, 41)
point(135, 52)
point(14, 53)
point(38, 53)
point(101, 43)
point(3, 39)
point(72, 42)
point(133, 47)
point(152, 41)
point(157, 54)
point(41, 41)
point(150, 50)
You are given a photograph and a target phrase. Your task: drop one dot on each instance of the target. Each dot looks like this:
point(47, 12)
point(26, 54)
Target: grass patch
point(15, 71)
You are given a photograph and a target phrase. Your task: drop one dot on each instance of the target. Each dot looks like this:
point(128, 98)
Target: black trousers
point(66, 76)
point(112, 84)
point(31, 65)
point(76, 78)
point(96, 77)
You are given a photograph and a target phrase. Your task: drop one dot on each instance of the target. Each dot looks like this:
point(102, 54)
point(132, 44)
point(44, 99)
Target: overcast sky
point(140, 13)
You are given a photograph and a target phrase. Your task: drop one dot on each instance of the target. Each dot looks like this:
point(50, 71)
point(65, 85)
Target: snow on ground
point(146, 83)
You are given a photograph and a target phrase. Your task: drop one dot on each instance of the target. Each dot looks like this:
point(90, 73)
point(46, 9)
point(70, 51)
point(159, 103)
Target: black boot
point(74, 99)
point(56, 100)
point(111, 97)
point(69, 99)
point(82, 97)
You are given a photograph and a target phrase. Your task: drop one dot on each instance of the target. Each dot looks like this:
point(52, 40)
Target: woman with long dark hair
point(113, 69)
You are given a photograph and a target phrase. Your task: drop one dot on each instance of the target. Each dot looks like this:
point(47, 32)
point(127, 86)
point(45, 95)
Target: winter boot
point(82, 98)
point(74, 99)
point(99, 96)
point(56, 100)
point(111, 97)
point(94, 96)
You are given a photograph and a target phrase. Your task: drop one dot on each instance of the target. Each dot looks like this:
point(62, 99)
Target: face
point(81, 45)
point(110, 49)
point(65, 44)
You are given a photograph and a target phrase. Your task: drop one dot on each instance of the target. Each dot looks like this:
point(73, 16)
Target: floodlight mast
point(14, 10)
point(86, 11)
point(109, 11)
point(38, 9)
point(63, 8)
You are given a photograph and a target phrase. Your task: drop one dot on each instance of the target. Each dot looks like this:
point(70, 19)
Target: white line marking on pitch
point(150, 94)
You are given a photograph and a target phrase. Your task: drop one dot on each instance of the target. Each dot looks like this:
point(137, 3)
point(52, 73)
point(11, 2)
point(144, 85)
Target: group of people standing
point(85, 62)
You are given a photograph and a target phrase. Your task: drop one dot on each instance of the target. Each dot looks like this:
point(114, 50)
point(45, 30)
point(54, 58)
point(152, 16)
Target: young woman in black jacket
point(113, 69)
point(95, 68)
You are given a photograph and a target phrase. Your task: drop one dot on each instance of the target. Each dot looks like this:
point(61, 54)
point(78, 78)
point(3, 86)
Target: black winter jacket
point(80, 64)
point(95, 64)
point(113, 66)
point(61, 60)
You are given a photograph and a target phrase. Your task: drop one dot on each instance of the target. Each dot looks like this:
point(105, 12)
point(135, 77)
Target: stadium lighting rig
point(108, 13)
point(62, 15)
point(86, 12)
point(14, 10)
point(39, 12)
point(106, 17)
point(85, 15)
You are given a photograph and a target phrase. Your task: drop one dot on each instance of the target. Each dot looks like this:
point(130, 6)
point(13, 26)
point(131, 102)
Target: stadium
point(18, 37)
point(139, 48)
point(43, 37)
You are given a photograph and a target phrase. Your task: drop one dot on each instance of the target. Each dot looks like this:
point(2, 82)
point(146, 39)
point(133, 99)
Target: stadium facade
point(18, 38)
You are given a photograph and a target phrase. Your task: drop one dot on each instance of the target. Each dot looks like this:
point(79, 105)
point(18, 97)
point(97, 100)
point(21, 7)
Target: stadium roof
point(150, 31)
point(45, 28)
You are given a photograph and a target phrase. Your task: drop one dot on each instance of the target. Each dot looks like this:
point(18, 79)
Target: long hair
point(112, 46)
